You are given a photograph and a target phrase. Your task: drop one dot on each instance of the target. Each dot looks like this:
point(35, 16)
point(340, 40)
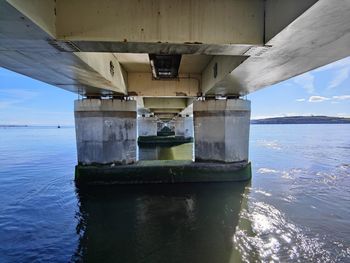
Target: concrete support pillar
point(147, 126)
point(184, 126)
point(221, 130)
point(105, 131)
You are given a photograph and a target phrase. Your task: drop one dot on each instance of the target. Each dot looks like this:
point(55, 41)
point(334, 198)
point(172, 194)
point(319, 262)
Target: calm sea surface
point(295, 209)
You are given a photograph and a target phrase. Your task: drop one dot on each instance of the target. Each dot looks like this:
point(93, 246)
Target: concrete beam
point(27, 49)
point(142, 84)
point(280, 13)
point(205, 28)
point(188, 110)
point(41, 12)
point(109, 73)
point(298, 39)
point(176, 21)
point(167, 108)
point(166, 116)
point(162, 48)
point(309, 42)
point(160, 111)
point(217, 69)
point(165, 103)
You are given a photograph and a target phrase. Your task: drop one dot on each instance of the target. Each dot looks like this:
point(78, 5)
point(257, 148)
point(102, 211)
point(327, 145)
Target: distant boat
point(58, 126)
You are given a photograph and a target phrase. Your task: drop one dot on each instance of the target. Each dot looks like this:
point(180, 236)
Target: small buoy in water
point(58, 126)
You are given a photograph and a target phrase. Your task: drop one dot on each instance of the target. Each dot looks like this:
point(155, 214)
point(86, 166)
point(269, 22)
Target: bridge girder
point(227, 47)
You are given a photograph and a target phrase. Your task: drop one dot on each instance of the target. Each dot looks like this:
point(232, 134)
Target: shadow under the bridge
point(159, 223)
point(166, 152)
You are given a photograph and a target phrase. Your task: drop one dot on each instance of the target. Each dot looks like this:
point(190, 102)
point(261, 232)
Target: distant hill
point(302, 120)
point(11, 125)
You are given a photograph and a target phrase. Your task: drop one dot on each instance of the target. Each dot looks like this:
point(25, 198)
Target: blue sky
point(323, 91)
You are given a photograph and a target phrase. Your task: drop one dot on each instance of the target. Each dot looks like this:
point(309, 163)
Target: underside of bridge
point(168, 55)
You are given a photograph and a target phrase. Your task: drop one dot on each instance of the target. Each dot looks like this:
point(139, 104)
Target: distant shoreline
point(34, 126)
point(303, 120)
point(12, 126)
point(275, 120)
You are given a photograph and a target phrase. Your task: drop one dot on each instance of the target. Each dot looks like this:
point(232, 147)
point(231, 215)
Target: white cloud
point(334, 99)
point(318, 99)
point(340, 76)
point(342, 97)
point(300, 100)
point(306, 81)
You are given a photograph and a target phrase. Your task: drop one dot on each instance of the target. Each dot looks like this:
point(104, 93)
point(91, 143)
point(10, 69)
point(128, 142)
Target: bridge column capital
point(105, 131)
point(221, 129)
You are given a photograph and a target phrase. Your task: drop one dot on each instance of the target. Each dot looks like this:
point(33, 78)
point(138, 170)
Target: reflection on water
point(167, 152)
point(171, 223)
point(160, 223)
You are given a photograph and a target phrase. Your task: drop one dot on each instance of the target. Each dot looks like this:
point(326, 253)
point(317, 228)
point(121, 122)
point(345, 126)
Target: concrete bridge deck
point(102, 47)
point(166, 59)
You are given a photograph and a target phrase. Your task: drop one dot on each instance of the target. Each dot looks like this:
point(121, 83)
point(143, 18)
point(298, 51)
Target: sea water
point(296, 208)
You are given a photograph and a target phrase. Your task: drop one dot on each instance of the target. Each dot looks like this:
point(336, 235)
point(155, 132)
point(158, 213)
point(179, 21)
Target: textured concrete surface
point(221, 129)
point(184, 126)
point(162, 172)
point(252, 44)
point(147, 126)
point(105, 131)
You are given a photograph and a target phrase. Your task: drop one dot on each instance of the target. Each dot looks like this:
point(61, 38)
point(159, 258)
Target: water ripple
point(265, 234)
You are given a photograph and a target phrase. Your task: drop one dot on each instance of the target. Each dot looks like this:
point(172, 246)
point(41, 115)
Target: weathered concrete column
point(105, 131)
point(184, 126)
point(147, 126)
point(221, 130)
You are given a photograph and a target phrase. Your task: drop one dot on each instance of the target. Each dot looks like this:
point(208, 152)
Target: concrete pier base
point(221, 130)
point(172, 171)
point(105, 131)
point(106, 140)
point(147, 126)
point(183, 126)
